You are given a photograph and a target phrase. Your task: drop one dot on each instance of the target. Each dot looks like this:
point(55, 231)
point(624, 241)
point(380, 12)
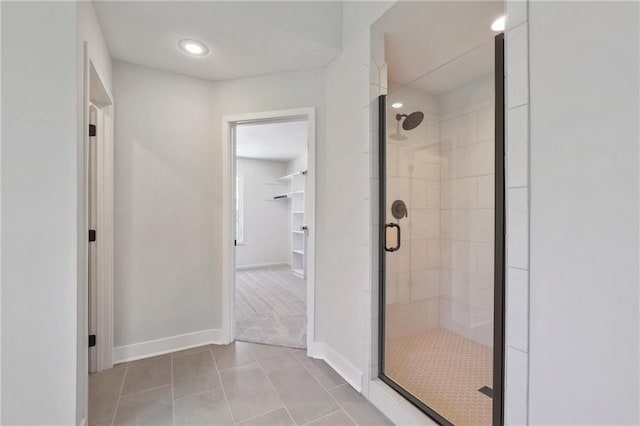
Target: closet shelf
point(291, 187)
point(287, 195)
point(290, 176)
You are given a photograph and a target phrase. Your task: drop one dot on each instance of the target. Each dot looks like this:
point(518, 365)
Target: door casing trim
point(229, 122)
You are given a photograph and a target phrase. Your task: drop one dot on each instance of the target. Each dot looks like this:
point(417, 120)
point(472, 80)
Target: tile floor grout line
point(124, 378)
point(322, 417)
point(310, 372)
point(328, 390)
point(329, 393)
point(340, 385)
point(191, 352)
point(201, 392)
point(238, 366)
point(255, 360)
point(314, 376)
point(191, 395)
point(342, 408)
point(146, 390)
point(272, 385)
point(224, 391)
point(336, 386)
point(259, 415)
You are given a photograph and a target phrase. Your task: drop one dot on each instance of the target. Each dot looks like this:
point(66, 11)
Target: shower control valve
point(399, 209)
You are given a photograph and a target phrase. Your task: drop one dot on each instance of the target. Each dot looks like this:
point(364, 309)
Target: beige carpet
point(271, 307)
point(445, 371)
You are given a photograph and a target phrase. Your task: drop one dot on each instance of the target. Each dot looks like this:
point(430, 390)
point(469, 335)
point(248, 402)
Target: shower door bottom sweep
point(442, 242)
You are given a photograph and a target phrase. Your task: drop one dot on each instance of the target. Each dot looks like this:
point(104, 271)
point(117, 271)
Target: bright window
point(239, 210)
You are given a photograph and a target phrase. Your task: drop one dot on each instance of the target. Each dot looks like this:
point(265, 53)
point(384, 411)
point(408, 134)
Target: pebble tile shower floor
point(445, 371)
point(238, 384)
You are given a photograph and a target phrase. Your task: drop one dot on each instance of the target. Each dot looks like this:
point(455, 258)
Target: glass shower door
point(438, 215)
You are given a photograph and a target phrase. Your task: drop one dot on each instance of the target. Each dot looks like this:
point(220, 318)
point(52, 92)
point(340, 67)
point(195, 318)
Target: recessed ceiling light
point(193, 47)
point(396, 105)
point(499, 24)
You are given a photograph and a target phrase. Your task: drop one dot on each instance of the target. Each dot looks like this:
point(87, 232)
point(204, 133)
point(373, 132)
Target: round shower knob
point(399, 209)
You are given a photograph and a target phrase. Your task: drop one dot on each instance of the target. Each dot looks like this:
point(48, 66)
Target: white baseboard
point(348, 371)
point(166, 345)
point(261, 265)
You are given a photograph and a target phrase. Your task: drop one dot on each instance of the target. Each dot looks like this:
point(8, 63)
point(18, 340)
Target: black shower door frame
point(499, 251)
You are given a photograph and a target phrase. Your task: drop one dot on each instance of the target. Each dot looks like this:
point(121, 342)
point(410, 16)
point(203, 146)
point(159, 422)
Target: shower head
point(411, 121)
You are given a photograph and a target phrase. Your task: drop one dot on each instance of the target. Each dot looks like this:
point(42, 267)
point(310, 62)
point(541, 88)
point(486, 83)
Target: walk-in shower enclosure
point(442, 236)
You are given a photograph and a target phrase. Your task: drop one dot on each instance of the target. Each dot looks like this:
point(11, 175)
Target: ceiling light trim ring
point(193, 47)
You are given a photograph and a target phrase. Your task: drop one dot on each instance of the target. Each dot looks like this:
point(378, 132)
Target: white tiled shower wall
point(517, 212)
point(413, 176)
point(467, 216)
point(443, 169)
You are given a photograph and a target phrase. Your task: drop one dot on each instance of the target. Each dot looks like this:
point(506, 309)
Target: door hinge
point(92, 340)
point(92, 235)
point(92, 130)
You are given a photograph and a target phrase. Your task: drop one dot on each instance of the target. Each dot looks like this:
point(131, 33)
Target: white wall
point(39, 213)
point(584, 213)
point(341, 253)
point(297, 164)
point(267, 230)
point(357, 17)
point(168, 195)
point(89, 30)
point(165, 205)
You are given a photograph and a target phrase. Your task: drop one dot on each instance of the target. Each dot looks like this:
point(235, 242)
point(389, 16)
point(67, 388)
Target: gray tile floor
point(238, 384)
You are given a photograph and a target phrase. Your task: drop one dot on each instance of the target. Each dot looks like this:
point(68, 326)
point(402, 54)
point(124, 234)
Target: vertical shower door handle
point(388, 227)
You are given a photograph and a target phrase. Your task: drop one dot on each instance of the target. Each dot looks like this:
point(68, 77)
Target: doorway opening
point(271, 165)
point(271, 188)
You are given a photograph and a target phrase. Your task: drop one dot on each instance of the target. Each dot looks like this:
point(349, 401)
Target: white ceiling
point(272, 141)
point(245, 38)
point(420, 37)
